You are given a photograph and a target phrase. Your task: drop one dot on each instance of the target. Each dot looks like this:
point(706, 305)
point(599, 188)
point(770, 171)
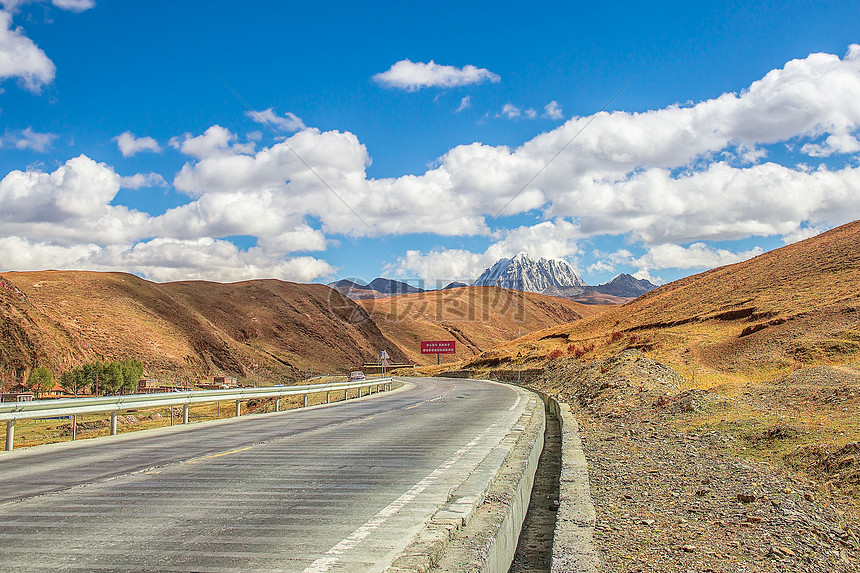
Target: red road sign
point(438, 346)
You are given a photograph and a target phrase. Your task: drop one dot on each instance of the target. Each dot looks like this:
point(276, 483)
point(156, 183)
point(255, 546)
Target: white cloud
point(28, 139)
point(838, 143)
point(64, 219)
point(803, 233)
point(71, 5)
point(600, 267)
point(695, 256)
point(216, 141)
point(139, 180)
point(552, 110)
point(128, 144)
point(531, 113)
point(465, 103)
point(510, 111)
point(21, 58)
point(289, 123)
point(74, 5)
point(667, 177)
point(650, 175)
point(413, 76)
point(162, 260)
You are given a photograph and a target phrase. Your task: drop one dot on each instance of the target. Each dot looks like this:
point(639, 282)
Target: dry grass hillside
point(719, 413)
point(180, 330)
point(793, 306)
point(478, 318)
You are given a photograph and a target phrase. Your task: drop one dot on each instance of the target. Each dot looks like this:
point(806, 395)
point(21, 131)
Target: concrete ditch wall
point(573, 541)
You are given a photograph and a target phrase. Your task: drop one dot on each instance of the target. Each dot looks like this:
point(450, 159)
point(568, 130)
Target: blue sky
point(122, 149)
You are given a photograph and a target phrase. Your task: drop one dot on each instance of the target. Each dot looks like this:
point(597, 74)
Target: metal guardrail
point(12, 411)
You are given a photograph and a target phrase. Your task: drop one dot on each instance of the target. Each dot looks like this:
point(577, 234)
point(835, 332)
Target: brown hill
point(796, 305)
point(188, 329)
point(478, 318)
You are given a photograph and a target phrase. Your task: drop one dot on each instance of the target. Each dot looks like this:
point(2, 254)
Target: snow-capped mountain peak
point(524, 273)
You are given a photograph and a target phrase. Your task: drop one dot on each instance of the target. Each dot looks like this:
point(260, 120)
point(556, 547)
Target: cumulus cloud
point(510, 111)
point(600, 267)
point(28, 139)
point(139, 180)
point(695, 256)
point(162, 260)
point(128, 144)
point(21, 58)
point(289, 122)
point(552, 110)
point(413, 76)
point(64, 219)
point(661, 176)
point(74, 5)
point(681, 175)
point(216, 141)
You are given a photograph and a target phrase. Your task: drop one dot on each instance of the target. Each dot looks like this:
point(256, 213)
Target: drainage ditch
point(534, 548)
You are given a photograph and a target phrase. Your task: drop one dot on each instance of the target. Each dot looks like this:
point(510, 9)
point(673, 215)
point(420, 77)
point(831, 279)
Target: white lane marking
point(333, 555)
point(517, 403)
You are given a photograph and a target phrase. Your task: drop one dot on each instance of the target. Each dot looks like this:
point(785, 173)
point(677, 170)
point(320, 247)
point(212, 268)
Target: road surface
point(341, 487)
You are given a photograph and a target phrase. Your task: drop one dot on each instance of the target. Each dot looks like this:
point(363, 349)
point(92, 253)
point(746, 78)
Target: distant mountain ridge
point(526, 274)
point(378, 288)
point(626, 286)
point(553, 277)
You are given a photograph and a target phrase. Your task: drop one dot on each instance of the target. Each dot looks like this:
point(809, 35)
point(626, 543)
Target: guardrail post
point(328, 397)
point(74, 427)
point(10, 435)
point(113, 423)
point(238, 408)
point(185, 414)
point(278, 404)
point(306, 401)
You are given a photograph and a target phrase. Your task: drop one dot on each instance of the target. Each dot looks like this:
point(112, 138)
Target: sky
point(421, 142)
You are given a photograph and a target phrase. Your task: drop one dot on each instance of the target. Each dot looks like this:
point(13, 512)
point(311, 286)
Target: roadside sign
point(438, 346)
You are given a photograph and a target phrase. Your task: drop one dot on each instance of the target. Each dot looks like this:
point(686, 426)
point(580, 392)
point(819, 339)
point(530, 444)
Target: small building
point(16, 396)
point(58, 392)
point(225, 381)
point(153, 386)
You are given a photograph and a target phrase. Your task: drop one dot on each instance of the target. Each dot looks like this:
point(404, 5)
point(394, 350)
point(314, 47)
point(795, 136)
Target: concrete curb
point(492, 502)
point(573, 542)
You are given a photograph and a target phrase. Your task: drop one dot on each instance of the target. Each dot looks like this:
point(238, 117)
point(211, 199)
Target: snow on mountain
point(526, 274)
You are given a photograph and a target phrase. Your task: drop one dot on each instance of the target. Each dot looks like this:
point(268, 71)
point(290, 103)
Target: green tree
point(40, 380)
point(111, 380)
point(93, 376)
point(73, 380)
point(132, 370)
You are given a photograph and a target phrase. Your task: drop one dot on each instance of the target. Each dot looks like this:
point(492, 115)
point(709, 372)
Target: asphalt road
point(342, 487)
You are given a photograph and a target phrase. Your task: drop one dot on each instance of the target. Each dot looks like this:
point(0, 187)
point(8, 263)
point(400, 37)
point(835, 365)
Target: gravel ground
point(682, 501)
